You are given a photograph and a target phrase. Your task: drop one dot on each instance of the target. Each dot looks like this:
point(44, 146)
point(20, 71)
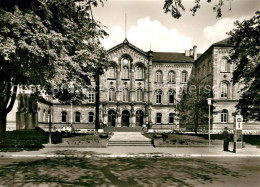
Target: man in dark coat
point(226, 139)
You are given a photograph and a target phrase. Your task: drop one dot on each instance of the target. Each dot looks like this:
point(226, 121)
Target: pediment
point(129, 49)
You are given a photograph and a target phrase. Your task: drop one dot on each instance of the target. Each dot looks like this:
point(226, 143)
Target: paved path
point(135, 151)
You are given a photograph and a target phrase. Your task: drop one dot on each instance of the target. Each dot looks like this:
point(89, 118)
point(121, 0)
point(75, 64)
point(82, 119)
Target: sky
point(149, 27)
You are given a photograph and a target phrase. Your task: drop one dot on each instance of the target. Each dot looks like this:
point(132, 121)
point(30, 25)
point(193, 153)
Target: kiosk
point(238, 133)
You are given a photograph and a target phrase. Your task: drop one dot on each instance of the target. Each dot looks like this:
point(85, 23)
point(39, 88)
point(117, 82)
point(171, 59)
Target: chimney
point(187, 52)
point(191, 52)
point(195, 52)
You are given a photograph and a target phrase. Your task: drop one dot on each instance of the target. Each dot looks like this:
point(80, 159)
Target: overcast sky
point(148, 24)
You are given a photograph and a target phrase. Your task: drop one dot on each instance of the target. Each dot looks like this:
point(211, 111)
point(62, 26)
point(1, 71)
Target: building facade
point(145, 87)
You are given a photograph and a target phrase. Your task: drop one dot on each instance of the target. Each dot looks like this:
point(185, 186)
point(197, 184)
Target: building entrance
point(125, 118)
point(139, 118)
point(111, 118)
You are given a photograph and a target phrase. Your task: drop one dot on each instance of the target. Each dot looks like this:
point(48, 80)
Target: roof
point(125, 42)
point(172, 57)
point(222, 42)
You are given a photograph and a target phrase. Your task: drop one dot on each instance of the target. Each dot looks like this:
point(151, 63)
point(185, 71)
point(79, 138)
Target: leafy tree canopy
point(246, 57)
point(176, 7)
point(47, 43)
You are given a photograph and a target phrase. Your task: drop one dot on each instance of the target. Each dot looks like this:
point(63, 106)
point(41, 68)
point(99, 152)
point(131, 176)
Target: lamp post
point(209, 103)
point(50, 124)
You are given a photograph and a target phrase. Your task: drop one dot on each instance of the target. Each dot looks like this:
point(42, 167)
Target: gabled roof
point(222, 43)
point(125, 42)
point(172, 57)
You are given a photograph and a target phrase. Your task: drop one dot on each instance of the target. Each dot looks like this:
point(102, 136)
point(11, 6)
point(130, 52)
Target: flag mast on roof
point(125, 25)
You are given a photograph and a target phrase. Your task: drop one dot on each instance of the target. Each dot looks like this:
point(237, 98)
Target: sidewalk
point(136, 151)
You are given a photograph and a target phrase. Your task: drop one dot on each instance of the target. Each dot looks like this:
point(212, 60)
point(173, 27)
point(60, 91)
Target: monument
point(26, 115)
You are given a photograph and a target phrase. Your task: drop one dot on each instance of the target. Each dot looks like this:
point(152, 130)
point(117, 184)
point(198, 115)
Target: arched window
point(171, 77)
point(158, 118)
point(64, 117)
point(171, 96)
point(184, 77)
point(125, 95)
point(91, 117)
point(139, 95)
point(125, 73)
point(112, 94)
point(159, 77)
point(77, 117)
point(171, 118)
point(111, 73)
point(225, 66)
point(139, 72)
point(91, 97)
point(224, 90)
point(158, 96)
point(224, 116)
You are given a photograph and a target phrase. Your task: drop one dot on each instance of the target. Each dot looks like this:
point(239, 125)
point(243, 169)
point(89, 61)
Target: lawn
point(115, 172)
point(32, 140)
point(171, 139)
point(168, 140)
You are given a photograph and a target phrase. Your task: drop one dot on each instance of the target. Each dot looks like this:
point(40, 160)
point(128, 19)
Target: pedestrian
point(226, 139)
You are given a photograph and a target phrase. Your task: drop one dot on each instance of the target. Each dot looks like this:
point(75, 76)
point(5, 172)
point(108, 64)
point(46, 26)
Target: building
point(144, 88)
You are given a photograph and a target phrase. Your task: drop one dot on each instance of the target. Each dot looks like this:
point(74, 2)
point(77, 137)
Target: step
point(122, 129)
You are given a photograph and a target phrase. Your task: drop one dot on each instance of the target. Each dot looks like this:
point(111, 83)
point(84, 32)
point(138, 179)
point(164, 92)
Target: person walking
point(226, 139)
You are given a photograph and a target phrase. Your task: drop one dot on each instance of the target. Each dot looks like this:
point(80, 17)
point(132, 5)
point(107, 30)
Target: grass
point(203, 138)
point(29, 140)
point(114, 172)
point(249, 139)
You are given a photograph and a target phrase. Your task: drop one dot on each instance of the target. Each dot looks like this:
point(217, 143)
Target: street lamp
point(209, 103)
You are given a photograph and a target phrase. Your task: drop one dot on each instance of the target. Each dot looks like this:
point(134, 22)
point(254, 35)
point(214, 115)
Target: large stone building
point(144, 88)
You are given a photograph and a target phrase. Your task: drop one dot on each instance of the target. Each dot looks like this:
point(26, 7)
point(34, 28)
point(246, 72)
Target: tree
point(193, 107)
point(175, 7)
point(47, 43)
point(246, 58)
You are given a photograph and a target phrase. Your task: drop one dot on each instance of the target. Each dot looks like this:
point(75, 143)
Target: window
point(158, 77)
point(91, 97)
point(64, 117)
point(91, 117)
point(112, 94)
point(224, 116)
point(111, 73)
point(171, 118)
point(158, 118)
point(224, 90)
point(171, 97)
point(225, 66)
point(171, 77)
point(139, 72)
point(125, 95)
point(139, 95)
point(184, 77)
point(125, 73)
point(44, 116)
point(158, 96)
point(77, 117)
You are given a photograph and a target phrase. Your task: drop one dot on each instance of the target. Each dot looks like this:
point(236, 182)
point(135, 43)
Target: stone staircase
point(122, 129)
point(129, 139)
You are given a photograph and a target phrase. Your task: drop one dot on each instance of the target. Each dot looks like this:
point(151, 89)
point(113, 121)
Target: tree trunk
point(3, 116)
point(97, 103)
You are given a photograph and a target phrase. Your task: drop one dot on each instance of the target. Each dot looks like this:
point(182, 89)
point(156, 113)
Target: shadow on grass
point(113, 172)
